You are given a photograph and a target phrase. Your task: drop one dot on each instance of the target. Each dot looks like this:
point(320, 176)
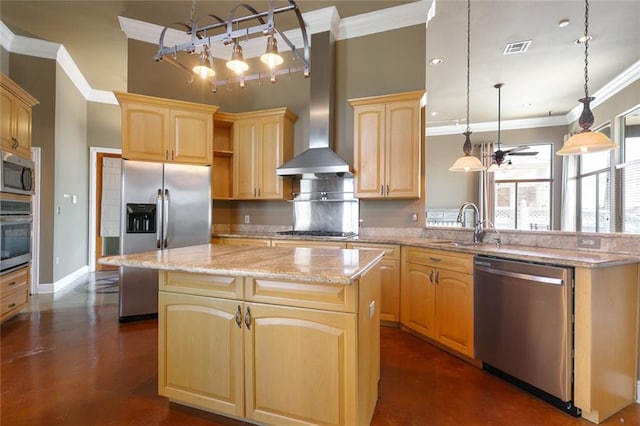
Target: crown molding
point(490, 126)
point(385, 20)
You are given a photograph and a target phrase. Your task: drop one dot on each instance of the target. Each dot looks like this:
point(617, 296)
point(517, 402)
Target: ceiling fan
point(499, 155)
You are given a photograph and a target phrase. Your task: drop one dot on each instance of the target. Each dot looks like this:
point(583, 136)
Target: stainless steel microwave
point(16, 174)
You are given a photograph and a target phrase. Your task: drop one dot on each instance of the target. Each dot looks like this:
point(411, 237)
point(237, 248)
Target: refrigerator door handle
point(158, 210)
point(165, 219)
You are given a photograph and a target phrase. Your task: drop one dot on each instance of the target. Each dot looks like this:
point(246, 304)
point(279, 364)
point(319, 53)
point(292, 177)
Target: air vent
point(516, 47)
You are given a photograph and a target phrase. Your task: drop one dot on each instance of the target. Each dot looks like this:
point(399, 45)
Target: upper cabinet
point(15, 117)
point(388, 143)
point(156, 129)
point(262, 141)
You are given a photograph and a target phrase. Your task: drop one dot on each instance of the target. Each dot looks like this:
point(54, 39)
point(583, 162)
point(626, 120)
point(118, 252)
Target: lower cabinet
point(14, 292)
point(437, 296)
point(266, 362)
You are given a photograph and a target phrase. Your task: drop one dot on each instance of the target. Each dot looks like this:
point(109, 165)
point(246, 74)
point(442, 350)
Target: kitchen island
point(269, 335)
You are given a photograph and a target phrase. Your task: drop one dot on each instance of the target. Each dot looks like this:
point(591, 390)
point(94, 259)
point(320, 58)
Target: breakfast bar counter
point(269, 335)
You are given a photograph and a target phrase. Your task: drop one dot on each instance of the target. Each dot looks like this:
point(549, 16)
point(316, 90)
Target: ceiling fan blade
point(522, 153)
point(516, 149)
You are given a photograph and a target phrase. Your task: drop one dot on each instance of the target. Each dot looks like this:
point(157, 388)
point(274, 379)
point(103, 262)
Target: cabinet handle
point(12, 305)
point(435, 259)
point(239, 317)
point(381, 189)
point(166, 154)
point(431, 276)
point(387, 189)
point(438, 277)
point(247, 318)
point(173, 155)
point(12, 283)
point(259, 193)
point(15, 143)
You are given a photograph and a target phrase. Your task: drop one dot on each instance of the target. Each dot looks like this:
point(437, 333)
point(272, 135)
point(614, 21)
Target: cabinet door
point(192, 137)
point(390, 290)
point(145, 132)
point(200, 352)
point(23, 128)
point(454, 311)
point(244, 159)
point(418, 299)
point(269, 158)
point(300, 366)
point(402, 150)
point(7, 119)
point(369, 146)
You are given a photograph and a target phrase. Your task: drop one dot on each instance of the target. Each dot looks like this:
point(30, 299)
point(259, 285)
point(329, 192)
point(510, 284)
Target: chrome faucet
point(478, 233)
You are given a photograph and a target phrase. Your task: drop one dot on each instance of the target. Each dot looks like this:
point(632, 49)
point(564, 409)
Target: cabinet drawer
point(14, 300)
point(440, 259)
point(201, 284)
point(340, 298)
point(391, 251)
point(12, 280)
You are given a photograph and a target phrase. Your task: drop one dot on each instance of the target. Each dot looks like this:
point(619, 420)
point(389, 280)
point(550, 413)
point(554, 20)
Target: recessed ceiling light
point(583, 39)
point(436, 61)
point(563, 23)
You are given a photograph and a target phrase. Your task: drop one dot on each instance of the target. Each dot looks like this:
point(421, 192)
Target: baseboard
point(63, 282)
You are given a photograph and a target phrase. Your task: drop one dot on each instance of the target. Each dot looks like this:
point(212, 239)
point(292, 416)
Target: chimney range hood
point(319, 159)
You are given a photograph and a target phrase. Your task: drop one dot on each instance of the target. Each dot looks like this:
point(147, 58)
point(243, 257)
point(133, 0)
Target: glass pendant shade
point(271, 57)
point(467, 163)
point(585, 142)
point(237, 63)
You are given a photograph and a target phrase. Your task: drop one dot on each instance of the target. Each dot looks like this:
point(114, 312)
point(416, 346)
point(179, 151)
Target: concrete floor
point(67, 361)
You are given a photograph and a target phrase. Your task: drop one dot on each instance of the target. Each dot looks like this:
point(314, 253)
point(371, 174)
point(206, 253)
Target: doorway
point(99, 246)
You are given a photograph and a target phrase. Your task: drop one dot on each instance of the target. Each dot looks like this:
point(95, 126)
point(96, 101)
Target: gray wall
point(71, 179)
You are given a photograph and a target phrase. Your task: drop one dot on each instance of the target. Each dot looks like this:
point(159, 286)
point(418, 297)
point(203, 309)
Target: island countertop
point(326, 265)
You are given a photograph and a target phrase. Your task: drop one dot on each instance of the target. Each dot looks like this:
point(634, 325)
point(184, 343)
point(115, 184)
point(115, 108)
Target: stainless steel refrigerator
point(163, 206)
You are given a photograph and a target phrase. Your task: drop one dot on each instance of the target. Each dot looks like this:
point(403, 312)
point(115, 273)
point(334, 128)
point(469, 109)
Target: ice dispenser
point(141, 218)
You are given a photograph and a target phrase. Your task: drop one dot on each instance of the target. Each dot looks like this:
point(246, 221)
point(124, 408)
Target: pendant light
point(586, 140)
point(467, 163)
point(237, 63)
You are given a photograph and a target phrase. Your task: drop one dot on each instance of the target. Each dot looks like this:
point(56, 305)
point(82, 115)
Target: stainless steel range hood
point(319, 159)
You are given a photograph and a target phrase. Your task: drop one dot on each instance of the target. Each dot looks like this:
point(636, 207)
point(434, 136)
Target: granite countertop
point(313, 265)
point(565, 257)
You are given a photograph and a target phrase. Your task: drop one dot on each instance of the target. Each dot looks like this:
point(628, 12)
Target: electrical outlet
point(247, 219)
point(589, 242)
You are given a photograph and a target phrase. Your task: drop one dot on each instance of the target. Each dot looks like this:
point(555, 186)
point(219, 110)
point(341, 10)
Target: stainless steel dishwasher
point(523, 326)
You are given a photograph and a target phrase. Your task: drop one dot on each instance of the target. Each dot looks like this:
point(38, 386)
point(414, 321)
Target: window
point(628, 175)
point(522, 189)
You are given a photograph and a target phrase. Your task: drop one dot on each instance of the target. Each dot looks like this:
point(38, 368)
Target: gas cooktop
point(319, 233)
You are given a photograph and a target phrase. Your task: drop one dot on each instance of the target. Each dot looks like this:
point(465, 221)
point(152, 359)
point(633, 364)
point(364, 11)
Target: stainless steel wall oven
point(15, 232)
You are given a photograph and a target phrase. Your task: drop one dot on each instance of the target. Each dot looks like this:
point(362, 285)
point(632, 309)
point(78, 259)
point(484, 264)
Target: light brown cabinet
point(14, 292)
point(222, 167)
point(241, 346)
point(262, 141)
point(388, 144)
point(15, 117)
point(437, 296)
point(156, 129)
point(389, 279)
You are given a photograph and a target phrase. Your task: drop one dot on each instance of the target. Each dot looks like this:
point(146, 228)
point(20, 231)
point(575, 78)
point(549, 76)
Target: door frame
point(36, 156)
point(93, 158)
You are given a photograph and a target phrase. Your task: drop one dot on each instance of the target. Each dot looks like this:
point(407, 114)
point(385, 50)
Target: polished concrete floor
point(67, 361)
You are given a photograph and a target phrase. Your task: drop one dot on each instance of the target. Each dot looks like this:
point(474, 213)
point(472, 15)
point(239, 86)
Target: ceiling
point(548, 78)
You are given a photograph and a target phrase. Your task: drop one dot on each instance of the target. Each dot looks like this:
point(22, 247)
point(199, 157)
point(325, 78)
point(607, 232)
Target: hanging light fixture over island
point(586, 140)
